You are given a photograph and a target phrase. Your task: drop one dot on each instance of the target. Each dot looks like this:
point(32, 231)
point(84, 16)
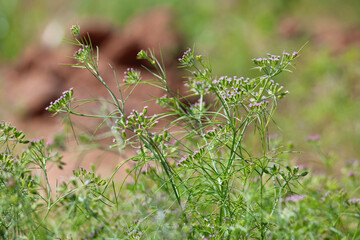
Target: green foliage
point(196, 177)
point(242, 29)
point(20, 197)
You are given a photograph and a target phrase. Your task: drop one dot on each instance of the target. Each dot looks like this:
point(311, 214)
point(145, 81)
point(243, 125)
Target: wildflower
point(82, 54)
point(294, 198)
point(142, 55)
point(63, 102)
point(259, 61)
point(293, 55)
point(198, 103)
point(197, 84)
point(183, 159)
point(36, 140)
point(210, 133)
point(261, 104)
point(75, 29)
point(184, 55)
point(354, 200)
point(196, 153)
point(187, 59)
point(314, 138)
point(131, 76)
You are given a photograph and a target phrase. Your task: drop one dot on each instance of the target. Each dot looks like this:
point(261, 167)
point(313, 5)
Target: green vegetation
point(249, 188)
point(242, 30)
point(198, 177)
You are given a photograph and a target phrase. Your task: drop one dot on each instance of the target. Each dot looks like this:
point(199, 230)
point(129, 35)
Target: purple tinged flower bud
point(354, 200)
point(75, 29)
point(142, 55)
point(183, 159)
point(195, 153)
point(295, 198)
point(314, 138)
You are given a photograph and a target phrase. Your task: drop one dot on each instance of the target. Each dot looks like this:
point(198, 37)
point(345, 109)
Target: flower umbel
point(187, 59)
point(75, 30)
point(295, 198)
point(131, 76)
point(314, 138)
point(62, 104)
point(82, 54)
point(354, 200)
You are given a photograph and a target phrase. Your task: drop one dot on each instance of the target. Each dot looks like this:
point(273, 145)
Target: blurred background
point(324, 87)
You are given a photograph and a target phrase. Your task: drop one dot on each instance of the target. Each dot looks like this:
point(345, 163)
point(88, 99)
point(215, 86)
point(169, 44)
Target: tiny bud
point(304, 174)
point(145, 110)
point(142, 55)
point(199, 58)
point(75, 29)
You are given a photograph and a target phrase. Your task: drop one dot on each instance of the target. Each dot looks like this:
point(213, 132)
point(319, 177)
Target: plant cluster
point(195, 175)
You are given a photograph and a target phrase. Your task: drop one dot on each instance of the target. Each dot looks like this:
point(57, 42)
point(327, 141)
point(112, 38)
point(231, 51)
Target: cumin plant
point(221, 187)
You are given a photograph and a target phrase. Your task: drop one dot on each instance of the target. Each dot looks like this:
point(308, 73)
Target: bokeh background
point(324, 86)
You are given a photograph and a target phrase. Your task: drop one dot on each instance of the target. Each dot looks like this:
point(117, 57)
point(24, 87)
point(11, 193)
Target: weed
point(195, 175)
